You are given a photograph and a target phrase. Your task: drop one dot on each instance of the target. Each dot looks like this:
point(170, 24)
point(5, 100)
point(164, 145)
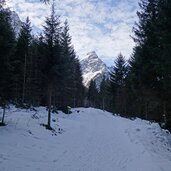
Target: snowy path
point(92, 140)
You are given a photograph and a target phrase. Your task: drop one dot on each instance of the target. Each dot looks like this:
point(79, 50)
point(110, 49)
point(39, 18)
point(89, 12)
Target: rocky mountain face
point(16, 22)
point(93, 68)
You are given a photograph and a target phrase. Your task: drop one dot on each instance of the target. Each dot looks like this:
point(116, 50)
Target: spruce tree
point(147, 43)
point(79, 91)
point(20, 62)
point(92, 95)
point(7, 43)
point(117, 84)
point(145, 57)
point(67, 65)
point(34, 90)
point(150, 63)
point(51, 69)
point(103, 94)
point(163, 67)
point(72, 88)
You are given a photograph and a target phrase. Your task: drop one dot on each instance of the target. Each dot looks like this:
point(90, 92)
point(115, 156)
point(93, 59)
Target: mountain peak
point(92, 55)
point(93, 68)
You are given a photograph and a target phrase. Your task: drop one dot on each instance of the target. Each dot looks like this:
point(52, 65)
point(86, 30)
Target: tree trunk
point(103, 104)
point(49, 106)
point(164, 113)
point(146, 110)
point(74, 101)
point(24, 80)
point(3, 116)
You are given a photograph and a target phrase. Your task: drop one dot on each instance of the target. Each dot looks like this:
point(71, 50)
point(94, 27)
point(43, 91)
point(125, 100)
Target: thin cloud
point(103, 26)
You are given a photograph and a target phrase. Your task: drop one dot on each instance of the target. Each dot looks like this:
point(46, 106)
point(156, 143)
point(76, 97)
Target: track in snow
point(92, 140)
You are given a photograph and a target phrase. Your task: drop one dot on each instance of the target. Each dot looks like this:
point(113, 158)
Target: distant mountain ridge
point(93, 68)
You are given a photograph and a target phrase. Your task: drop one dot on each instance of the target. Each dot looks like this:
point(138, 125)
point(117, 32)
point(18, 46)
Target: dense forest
point(38, 70)
point(141, 86)
point(44, 70)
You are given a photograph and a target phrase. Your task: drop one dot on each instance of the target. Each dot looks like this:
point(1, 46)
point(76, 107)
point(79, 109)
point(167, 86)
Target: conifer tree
point(20, 62)
point(52, 58)
point(7, 43)
point(117, 84)
point(145, 57)
point(72, 88)
point(79, 90)
point(67, 63)
point(92, 95)
point(163, 67)
point(34, 90)
point(103, 94)
point(149, 66)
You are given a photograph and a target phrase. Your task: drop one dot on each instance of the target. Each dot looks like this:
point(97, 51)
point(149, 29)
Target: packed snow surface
point(86, 140)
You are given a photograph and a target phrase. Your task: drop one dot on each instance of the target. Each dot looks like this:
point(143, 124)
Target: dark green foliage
point(21, 61)
point(105, 98)
point(40, 70)
point(51, 69)
point(34, 77)
point(150, 65)
point(68, 63)
point(79, 90)
point(7, 43)
point(60, 70)
point(92, 95)
point(118, 85)
point(143, 88)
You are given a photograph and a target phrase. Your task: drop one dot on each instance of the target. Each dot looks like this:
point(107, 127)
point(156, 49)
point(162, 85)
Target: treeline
point(42, 70)
point(141, 87)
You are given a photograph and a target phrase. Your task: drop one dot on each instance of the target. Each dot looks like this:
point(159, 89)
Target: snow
point(16, 22)
point(87, 77)
point(86, 140)
point(93, 68)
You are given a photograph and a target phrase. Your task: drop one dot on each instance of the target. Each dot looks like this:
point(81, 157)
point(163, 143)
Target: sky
point(103, 26)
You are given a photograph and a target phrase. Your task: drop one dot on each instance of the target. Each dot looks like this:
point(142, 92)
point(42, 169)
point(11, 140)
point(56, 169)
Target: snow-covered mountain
point(93, 68)
point(16, 22)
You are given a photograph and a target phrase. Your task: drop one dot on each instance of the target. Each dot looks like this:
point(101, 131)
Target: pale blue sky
point(103, 26)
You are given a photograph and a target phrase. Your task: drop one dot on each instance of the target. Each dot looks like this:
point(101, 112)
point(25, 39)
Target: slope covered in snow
point(16, 22)
point(93, 68)
point(87, 140)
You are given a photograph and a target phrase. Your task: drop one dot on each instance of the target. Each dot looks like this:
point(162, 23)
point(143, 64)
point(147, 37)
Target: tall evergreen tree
point(92, 95)
point(72, 88)
point(68, 57)
point(34, 89)
point(145, 57)
point(52, 58)
point(150, 64)
point(117, 84)
point(163, 66)
point(104, 97)
point(20, 62)
point(79, 90)
point(7, 43)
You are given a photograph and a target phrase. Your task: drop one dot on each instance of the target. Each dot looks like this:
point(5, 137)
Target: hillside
point(86, 140)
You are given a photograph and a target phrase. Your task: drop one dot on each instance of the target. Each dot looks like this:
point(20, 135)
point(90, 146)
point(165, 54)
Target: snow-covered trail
point(91, 140)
